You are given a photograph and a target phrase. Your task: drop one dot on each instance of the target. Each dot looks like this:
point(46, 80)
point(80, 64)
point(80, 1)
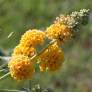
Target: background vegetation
point(17, 16)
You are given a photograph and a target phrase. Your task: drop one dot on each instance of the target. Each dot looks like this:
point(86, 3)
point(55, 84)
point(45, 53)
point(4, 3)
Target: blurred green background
point(17, 16)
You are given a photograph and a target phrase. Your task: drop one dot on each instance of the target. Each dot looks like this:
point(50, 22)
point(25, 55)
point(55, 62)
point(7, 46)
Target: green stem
point(50, 43)
point(2, 70)
point(4, 76)
point(7, 90)
point(27, 86)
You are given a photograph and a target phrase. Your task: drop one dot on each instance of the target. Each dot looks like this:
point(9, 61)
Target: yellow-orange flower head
point(21, 68)
point(32, 38)
point(52, 58)
point(59, 31)
point(24, 50)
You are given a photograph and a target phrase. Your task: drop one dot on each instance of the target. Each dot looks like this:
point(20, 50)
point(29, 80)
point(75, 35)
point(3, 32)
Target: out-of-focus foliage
point(17, 16)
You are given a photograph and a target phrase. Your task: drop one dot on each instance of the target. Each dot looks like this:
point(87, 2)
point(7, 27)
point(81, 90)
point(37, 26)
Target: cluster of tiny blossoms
point(51, 58)
point(62, 35)
point(21, 67)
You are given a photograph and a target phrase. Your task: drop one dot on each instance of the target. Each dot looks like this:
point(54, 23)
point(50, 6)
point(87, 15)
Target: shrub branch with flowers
point(50, 56)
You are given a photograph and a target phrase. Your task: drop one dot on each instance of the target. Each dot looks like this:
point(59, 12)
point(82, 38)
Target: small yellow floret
point(21, 68)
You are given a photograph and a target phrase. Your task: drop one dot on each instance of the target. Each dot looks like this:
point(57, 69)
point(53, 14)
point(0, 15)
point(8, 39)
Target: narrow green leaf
point(4, 65)
point(4, 76)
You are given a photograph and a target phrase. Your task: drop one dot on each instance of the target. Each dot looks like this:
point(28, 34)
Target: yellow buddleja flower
point(21, 68)
point(32, 38)
point(52, 58)
point(59, 31)
point(24, 50)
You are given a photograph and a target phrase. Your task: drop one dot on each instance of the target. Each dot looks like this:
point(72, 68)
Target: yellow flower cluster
point(52, 58)
point(32, 38)
point(28, 41)
point(20, 65)
point(21, 68)
point(59, 31)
